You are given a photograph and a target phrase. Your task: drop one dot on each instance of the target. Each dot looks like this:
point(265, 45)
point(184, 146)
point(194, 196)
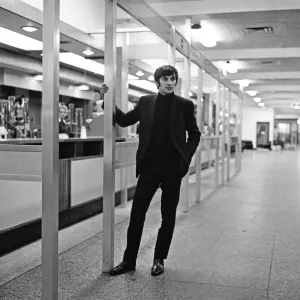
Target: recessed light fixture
point(88, 52)
point(231, 68)
point(257, 99)
point(191, 94)
point(252, 93)
point(29, 28)
point(38, 77)
point(244, 82)
point(261, 104)
point(83, 87)
point(139, 73)
point(151, 78)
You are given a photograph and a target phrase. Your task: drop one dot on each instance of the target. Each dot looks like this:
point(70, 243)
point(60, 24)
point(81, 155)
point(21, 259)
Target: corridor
point(242, 243)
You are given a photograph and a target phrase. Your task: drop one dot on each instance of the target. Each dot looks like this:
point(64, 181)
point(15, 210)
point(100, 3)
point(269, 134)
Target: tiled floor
point(241, 243)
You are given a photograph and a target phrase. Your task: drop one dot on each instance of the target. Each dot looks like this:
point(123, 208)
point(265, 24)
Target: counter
point(80, 185)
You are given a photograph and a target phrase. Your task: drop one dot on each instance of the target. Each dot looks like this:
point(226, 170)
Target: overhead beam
point(274, 88)
point(192, 8)
point(264, 75)
point(155, 51)
point(263, 53)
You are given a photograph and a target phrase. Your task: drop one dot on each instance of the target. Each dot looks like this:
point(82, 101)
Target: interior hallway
point(242, 243)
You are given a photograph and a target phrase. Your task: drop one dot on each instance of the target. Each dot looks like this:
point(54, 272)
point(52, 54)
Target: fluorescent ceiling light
point(19, 41)
point(205, 35)
point(131, 77)
point(88, 52)
point(252, 93)
point(144, 84)
point(230, 67)
point(83, 87)
point(81, 63)
point(261, 104)
point(243, 83)
point(208, 43)
point(140, 73)
point(38, 77)
point(30, 28)
point(257, 99)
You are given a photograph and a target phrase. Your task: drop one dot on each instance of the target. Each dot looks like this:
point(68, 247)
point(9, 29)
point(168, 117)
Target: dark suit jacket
point(182, 120)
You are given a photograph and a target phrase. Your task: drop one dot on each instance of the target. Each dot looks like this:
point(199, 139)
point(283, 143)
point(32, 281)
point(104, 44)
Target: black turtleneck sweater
point(161, 147)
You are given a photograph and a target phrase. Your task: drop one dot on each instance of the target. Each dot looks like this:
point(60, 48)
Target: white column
point(184, 197)
point(122, 102)
point(228, 136)
point(217, 163)
point(172, 49)
point(240, 132)
point(50, 156)
point(237, 134)
point(199, 121)
point(109, 137)
point(223, 135)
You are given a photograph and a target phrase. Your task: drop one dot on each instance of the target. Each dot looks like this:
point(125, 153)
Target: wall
point(252, 115)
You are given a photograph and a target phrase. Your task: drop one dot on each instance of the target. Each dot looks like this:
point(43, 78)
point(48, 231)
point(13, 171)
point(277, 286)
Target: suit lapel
point(151, 108)
point(174, 109)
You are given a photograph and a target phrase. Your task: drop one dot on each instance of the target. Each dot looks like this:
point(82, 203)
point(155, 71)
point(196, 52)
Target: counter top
point(68, 148)
point(39, 141)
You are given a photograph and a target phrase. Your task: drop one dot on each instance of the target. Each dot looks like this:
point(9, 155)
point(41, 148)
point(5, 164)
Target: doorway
point(262, 134)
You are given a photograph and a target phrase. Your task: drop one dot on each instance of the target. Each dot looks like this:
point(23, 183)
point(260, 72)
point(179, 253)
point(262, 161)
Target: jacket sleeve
point(192, 128)
point(127, 119)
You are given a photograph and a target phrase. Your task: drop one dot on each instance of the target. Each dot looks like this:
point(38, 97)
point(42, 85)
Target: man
point(163, 158)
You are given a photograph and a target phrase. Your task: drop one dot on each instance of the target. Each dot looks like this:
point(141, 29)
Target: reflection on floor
point(240, 243)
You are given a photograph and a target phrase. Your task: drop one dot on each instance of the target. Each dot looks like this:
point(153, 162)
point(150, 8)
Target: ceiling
point(269, 59)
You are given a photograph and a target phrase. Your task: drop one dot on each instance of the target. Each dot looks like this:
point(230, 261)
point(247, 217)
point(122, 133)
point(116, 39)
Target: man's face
point(167, 84)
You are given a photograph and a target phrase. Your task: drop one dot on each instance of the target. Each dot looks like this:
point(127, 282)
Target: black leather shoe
point(158, 267)
point(122, 268)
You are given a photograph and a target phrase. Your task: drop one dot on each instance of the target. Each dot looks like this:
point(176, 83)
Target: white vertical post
point(186, 87)
point(172, 49)
point(199, 121)
point(237, 134)
point(50, 156)
point(122, 102)
point(229, 136)
point(109, 136)
point(210, 116)
point(223, 135)
point(240, 132)
point(217, 163)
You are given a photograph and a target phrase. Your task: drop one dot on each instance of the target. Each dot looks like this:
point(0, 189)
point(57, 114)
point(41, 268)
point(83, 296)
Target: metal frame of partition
point(50, 150)
point(229, 137)
point(186, 51)
point(50, 135)
point(109, 136)
point(199, 121)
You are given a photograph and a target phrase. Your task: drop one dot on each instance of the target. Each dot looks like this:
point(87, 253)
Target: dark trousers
point(153, 175)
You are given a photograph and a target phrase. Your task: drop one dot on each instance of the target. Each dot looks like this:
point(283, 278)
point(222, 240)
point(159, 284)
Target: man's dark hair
point(166, 70)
